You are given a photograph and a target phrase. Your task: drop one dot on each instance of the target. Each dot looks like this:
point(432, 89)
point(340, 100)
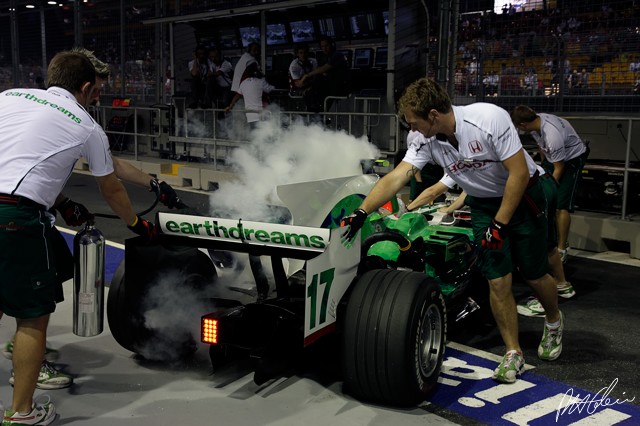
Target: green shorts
point(569, 180)
point(27, 265)
point(550, 187)
point(526, 244)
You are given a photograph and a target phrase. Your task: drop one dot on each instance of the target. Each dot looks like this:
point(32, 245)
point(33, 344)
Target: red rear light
point(209, 330)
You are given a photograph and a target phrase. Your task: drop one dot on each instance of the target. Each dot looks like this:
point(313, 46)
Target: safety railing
point(209, 135)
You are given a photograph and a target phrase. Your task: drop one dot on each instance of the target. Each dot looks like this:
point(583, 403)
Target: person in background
point(221, 75)
point(251, 55)
point(253, 89)
point(330, 79)
point(300, 66)
point(199, 70)
point(506, 197)
point(35, 167)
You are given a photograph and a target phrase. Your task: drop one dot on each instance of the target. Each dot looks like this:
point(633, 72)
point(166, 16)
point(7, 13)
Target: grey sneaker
point(49, 378)
point(565, 290)
point(530, 308)
point(551, 344)
point(50, 354)
point(510, 368)
point(42, 413)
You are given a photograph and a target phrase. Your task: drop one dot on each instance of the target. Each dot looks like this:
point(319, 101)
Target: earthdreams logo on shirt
point(35, 99)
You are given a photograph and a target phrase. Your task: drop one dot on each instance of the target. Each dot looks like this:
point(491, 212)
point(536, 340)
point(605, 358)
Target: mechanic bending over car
point(480, 150)
point(76, 214)
point(531, 306)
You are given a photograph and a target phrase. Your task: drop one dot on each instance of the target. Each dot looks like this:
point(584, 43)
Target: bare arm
point(517, 181)
point(116, 196)
point(129, 173)
point(388, 186)
point(558, 170)
point(456, 205)
point(235, 99)
point(428, 195)
point(320, 70)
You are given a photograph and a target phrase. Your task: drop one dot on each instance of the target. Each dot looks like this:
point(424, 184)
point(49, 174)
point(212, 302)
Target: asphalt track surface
point(598, 366)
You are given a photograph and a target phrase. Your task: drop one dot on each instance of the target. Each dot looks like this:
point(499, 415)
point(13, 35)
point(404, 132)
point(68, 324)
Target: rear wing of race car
point(330, 265)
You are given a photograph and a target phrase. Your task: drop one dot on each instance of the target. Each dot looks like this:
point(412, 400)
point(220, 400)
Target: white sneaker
point(49, 378)
point(565, 290)
point(530, 308)
point(42, 413)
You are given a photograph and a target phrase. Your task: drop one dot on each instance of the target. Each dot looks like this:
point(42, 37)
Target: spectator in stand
point(491, 82)
point(331, 79)
point(300, 66)
point(253, 88)
point(251, 55)
point(636, 86)
point(530, 82)
point(634, 65)
point(583, 80)
point(221, 75)
point(199, 70)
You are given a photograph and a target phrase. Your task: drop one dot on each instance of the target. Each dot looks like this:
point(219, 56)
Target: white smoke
point(277, 154)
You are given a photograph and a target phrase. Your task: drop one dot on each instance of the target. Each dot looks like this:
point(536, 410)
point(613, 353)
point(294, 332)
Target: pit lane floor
point(602, 348)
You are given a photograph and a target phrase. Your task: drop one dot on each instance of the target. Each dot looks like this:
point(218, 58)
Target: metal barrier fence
point(209, 135)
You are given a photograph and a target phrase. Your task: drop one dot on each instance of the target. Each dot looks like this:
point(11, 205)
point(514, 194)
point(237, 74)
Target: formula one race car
point(384, 298)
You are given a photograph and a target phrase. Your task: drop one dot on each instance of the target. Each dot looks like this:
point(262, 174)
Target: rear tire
point(393, 340)
point(128, 303)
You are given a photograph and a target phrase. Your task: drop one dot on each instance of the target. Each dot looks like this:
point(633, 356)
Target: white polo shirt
point(558, 139)
point(251, 90)
point(42, 135)
point(486, 137)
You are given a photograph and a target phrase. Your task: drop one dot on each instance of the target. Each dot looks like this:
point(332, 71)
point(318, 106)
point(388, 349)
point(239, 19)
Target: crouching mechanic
point(34, 167)
point(479, 148)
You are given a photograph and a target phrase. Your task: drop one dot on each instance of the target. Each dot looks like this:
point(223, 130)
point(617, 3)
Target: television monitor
point(363, 58)
point(381, 57)
point(348, 55)
point(364, 25)
point(385, 21)
point(277, 34)
point(333, 27)
point(228, 38)
point(302, 31)
point(249, 35)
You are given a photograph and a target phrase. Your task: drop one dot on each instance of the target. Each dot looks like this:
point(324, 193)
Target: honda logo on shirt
point(475, 147)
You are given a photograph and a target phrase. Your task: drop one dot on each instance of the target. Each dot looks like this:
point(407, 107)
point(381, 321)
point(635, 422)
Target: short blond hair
point(422, 96)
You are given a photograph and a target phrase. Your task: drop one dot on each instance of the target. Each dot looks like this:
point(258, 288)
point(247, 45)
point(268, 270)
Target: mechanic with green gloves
point(480, 150)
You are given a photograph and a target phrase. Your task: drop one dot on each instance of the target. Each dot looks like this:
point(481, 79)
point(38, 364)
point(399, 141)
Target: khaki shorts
point(27, 266)
point(526, 244)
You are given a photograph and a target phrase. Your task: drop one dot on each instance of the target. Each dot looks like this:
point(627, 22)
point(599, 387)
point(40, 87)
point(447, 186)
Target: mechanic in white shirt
point(42, 135)
point(563, 156)
point(253, 50)
point(479, 148)
point(252, 89)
